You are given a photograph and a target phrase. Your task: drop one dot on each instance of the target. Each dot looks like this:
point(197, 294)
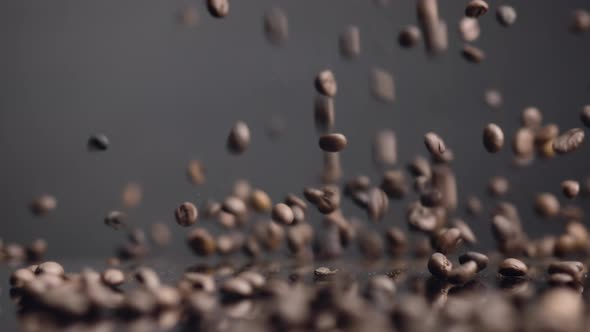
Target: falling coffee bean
point(201, 242)
point(580, 21)
point(239, 138)
point(276, 26)
point(333, 142)
point(196, 172)
point(98, 142)
point(385, 148)
point(439, 265)
point(382, 85)
point(410, 36)
point(116, 220)
point(523, 143)
point(473, 54)
point(569, 141)
point(498, 186)
point(476, 8)
point(186, 214)
point(188, 16)
point(531, 117)
point(493, 138)
point(434, 144)
point(218, 8)
point(43, 204)
point(282, 214)
point(260, 201)
point(325, 83)
point(469, 29)
point(132, 195)
point(324, 115)
point(547, 205)
point(493, 98)
point(512, 267)
point(570, 188)
point(350, 42)
point(480, 259)
point(506, 15)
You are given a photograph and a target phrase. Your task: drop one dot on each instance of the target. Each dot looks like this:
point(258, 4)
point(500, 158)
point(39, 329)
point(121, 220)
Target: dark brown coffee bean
point(512, 267)
point(421, 218)
point(569, 141)
point(474, 206)
point(493, 98)
point(282, 213)
point(546, 133)
point(396, 241)
point(498, 186)
point(506, 15)
point(237, 287)
point(395, 184)
point(324, 115)
point(382, 85)
point(160, 234)
point(53, 268)
point(469, 29)
point(420, 167)
point(276, 26)
point(430, 196)
point(547, 205)
point(218, 8)
point(313, 195)
point(463, 273)
point(476, 8)
point(371, 245)
point(333, 142)
point(503, 229)
point(444, 180)
point(573, 268)
point(239, 138)
point(473, 54)
point(196, 172)
point(493, 138)
point(359, 183)
point(434, 144)
point(580, 21)
point(378, 204)
point(186, 214)
point(98, 142)
point(332, 170)
point(447, 240)
point(350, 42)
point(188, 16)
point(410, 36)
point(466, 233)
point(385, 148)
point(523, 144)
point(439, 265)
point(480, 259)
point(269, 234)
point(113, 277)
point(325, 83)
point(292, 200)
point(570, 188)
point(43, 204)
point(116, 220)
point(201, 242)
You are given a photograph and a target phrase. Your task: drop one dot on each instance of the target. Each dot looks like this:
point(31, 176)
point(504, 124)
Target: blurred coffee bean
point(282, 214)
point(188, 16)
point(469, 29)
point(466, 233)
point(476, 8)
point(506, 15)
point(443, 178)
point(350, 42)
point(385, 148)
point(325, 83)
point(371, 245)
point(498, 186)
point(292, 200)
point(332, 170)
point(396, 241)
point(333, 142)
point(131, 195)
point(439, 265)
point(463, 273)
point(410, 36)
point(147, 277)
point(378, 204)
point(19, 277)
point(493, 138)
point(36, 249)
point(186, 214)
point(218, 8)
point(473, 54)
point(421, 218)
point(196, 172)
point(531, 117)
point(235, 206)
point(358, 183)
point(98, 142)
point(523, 143)
point(324, 115)
point(580, 21)
point(493, 98)
point(116, 220)
point(324, 271)
point(480, 259)
point(570, 188)
point(420, 167)
point(569, 141)
point(113, 277)
point(395, 184)
point(43, 204)
point(447, 240)
point(382, 85)
point(512, 267)
point(276, 26)
point(239, 138)
point(547, 205)
point(160, 234)
point(236, 287)
point(434, 144)
point(50, 267)
point(260, 201)
point(201, 242)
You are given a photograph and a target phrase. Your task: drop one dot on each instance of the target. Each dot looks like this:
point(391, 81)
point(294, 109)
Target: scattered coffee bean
point(410, 36)
point(466, 233)
point(493, 98)
point(547, 205)
point(239, 138)
point(420, 167)
point(378, 204)
point(186, 214)
point(498, 186)
point(447, 240)
point(435, 29)
point(325, 83)
point(480, 259)
point(188, 16)
point(421, 218)
point(113, 277)
point(569, 141)
point(434, 144)
point(116, 220)
point(160, 234)
point(36, 249)
point(464, 273)
point(371, 245)
point(474, 206)
point(443, 178)
point(196, 172)
point(570, 188)
point(98, 142)
point(218, 8)
point(439, 265)
point(350, 42)
point(53, 268)
point(132, 195)
point(506, 15)
point(282, 213)
point(395, 184)
point(473, 54)
point(476, 8)
point(531, 117)
point(201, 242)
point(276, 26)
point(382, 85)
point(493, 138)
point(333, 142)
point(580, 21)
point(237, 287)
point(20, 277)
point(43, 204)
point(512, 267)
point(324, 115)
point(396, 241)
point(385, 148)
point(356, 184)
point(235, 206)
point(523, 144)
point(292, 200)
point(469, 29)
point(260, 201)
point(332, 170)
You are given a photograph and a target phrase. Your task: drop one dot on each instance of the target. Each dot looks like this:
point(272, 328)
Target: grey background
point(165, 94)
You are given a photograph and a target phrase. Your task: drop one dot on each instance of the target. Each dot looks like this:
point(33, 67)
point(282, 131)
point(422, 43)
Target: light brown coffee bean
point(466, 232)
point(464, 273)
point(580, 21)
point(523, 143)
point(131, 195)
point(113, 277)
point(493, 98)
point(498, 186)
point(434, 144)
point(218, 8)
point(50, 267)
point(160, 234)
point(421, 218)
point(186, 214)
point(385, 148)
point(350, 42)
point(324, 115)
point(506, 15)
point(276, 26)
point(43, 204)
point(201, 242)
point(493, 138)
point(569, 141)
point(382, 85)
point(447, 240)
point(547, 205)
point(325, 83)
point(260, 201)
point(474, 206)
point(469, 29)
point(196, 172)
point(238, 139)
point(473, 54)
point(282, 213)
point(531, 117)
point(378, 204)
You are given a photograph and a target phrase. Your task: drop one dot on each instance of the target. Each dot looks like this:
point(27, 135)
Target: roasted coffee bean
point(570, 188)
point(131, 195)
point(201, 242)
point(439, 265)
point(503, 229)
point(430, 196)
point(523, 144)
point(421, 218)
point(447, 240)
point(196, 172)
point(378, 204)
point(116, 220)
point(238, 139)
point(329, 201)
point(140, 301)
point(474, 206)
point(395, 184)
point(282, 213)
point(36, 249)
point(313, 195)
point(359, 183)
point(463, 273)
point(237, 287)
point(113, 277)
point(396, 241)
point(444, 180)
point(435, 30)
point(325, 83)
point(332, 170)
point(573, 268)
point(350, 42)
point(560, 279)
point(547, 205)
point(506, 15)
point(333, 142)
point(292, 200)
point(469, 29)
point(531, 117)
point(43, 204)
point(498, 186)
point(476, 8)
point(147, 277)
point(512, 267)
point(546, 133)
point(235, 206)
point(276, 26)
point(20, 277)
point(493, 98)
point(565, 245)
point(569, 141)
point(98, 142)
point(580, 21)
point(218, 8)
point(160, 234)
point(188, 16)
point(382, 85)
point(473, 54)
point(53, 268)
point(324, 271)
point(579, 232)
point(466, 233)
point(385, 148)
point(480, 259)
point(371, 245)
point(324, 115)
point(260, 201)
point(242, 189)
point(420, 167)
point(493, 138)
point(410, 36)
point(434, 144)
point(186, 214)
point(585, 114)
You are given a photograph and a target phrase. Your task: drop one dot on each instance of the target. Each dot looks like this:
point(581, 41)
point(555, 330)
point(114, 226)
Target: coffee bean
point(498, 186)
point(570, 188)
point(396, 241)
point(350, 42)
point(325, 83)
point(201, 242)
point(378, 204)
point(385, 148)
point(282, 213)
point(161, 234)
point(569, 141)
point(98, 142)
point(186, 214)
point(469, 29)
point(410, 36)
point(512, 267)
point(523, 143)
point(439, 265)
point(260, 201)
point(324, 271)
point(480, 259)
point(239, 138)
point(463, 273)
point(235, 206)
point(188, 16)
point(359, 183)
point(473, 54)
point(394, 184)
point(237, 287)
point(506, 15)
point(420, 167)
point(435, 30)
point(140, 301)
point(147, 277)
point(43, 204)
point(276, 26)
point(504, 230)
point(371, 245)
point(444, 180)
point(52, 268)
point(196, 172)
point(430, 196)
point(580, 21)
point(292, 200)
point(573, 268)
point(421, 218)
point(382, 85)
point(531, 117)
point(493, 138)
point(585, 114)
point(332, 170)
point(113, 277)
point(466, 233)
point(546, 205)
point(565, 245)
point(333, 142)
point(20, 277)
point(218, 8)
point(579, 232)
point(116, 220)
point(474, 206)
point(447, 240)
point(36, 249)
point(476, 8)
point(324, 115)
point(493, 98)
point(131, 196)
point(137, 236)
point(546, 133)
point(434, 144)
